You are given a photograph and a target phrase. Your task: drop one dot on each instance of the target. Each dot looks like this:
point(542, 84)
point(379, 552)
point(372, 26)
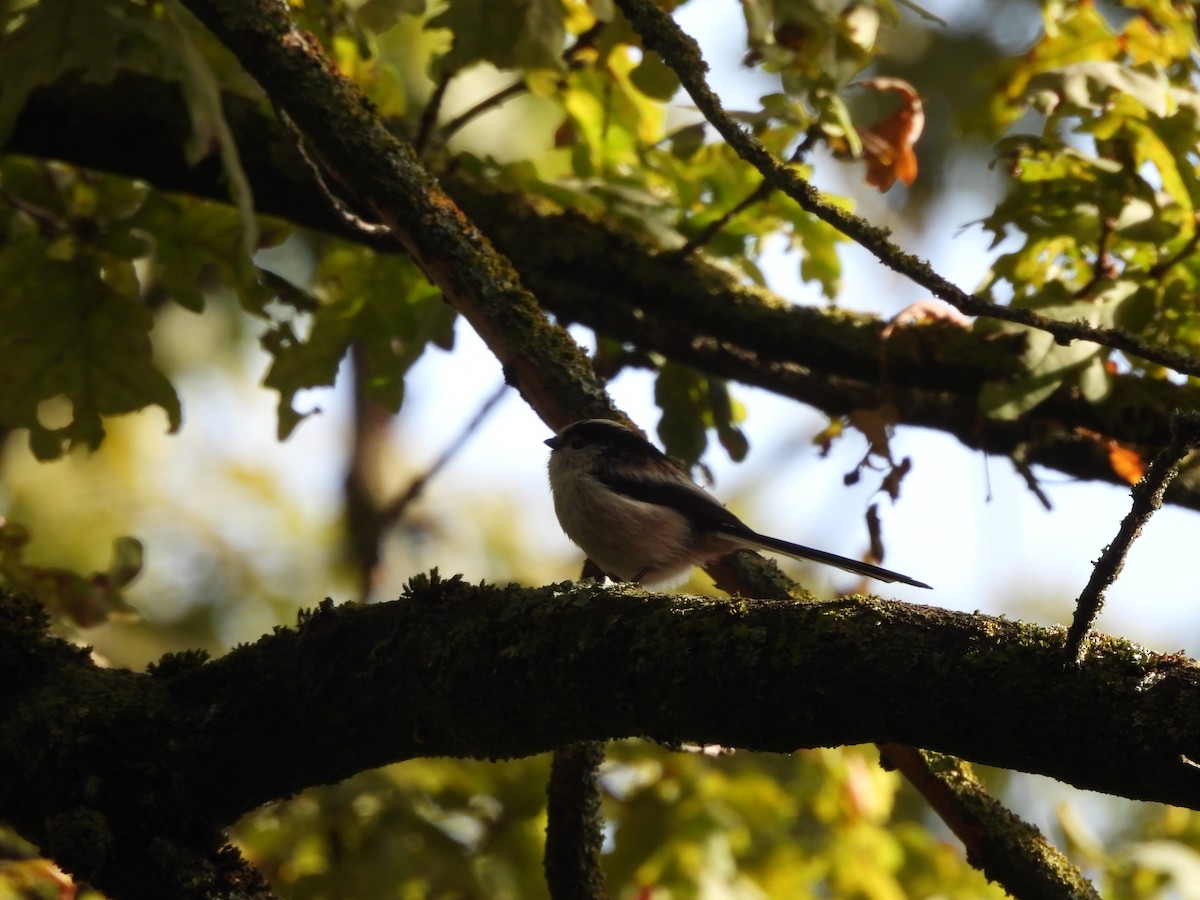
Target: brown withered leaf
point(1125, 461)
point(876, 425)
point(888, 144)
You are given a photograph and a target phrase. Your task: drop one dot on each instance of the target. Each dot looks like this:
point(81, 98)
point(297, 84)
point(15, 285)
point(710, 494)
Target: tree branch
point(461, 670)
point(585, 272)
point(1147, 500)
point(659, 32)
point(1006, 849)
point(383, 173)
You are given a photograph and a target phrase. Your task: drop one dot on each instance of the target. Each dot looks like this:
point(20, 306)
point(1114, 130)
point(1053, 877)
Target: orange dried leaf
point(1126, 463)
point(888, 144)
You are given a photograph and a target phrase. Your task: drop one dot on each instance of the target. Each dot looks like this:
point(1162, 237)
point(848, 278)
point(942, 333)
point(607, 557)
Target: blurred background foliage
point(137, 330)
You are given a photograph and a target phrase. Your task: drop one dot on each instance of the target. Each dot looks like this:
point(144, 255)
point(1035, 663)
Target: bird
point(641, 519)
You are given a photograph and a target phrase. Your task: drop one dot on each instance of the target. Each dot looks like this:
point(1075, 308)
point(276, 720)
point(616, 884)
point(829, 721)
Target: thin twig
point(758, 195)
point(481, 107)
point(1147, 499)
point(396, 508)
point(570, 56)
point(1026, 472)
point(347, 215)
point(49, 222)
point(1158, 270)
point(660, 32)
point(429, 114)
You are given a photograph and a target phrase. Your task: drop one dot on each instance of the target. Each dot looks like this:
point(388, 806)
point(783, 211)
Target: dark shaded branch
point(1147, 500)
point(659, 32)
point(574, 824)
point(836, 361)
point(461, 671)
point(999, 843)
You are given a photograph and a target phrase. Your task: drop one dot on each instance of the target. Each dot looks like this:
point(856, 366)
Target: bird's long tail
point(799, 551)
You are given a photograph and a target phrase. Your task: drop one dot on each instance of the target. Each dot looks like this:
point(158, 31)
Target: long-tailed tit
point(639, 518)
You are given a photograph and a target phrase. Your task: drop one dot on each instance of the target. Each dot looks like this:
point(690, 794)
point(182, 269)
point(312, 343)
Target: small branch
point(48, 222)
point(339, 207)
point(570, 56)
point(487, 103)
point(394, 510)
point(574, 824)
point(1158, 270)
point(1007, 849)
point(1025, 470)
point(429, 114)
point(660, 32)
point(759, 194)
point(1147, 499)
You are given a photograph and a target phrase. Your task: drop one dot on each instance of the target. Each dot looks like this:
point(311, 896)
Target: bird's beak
point(552, 443)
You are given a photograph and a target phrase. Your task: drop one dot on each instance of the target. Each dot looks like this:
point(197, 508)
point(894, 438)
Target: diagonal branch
point(660, 33)
point(1008, 850)
point(357, 151)
point(1147, 500)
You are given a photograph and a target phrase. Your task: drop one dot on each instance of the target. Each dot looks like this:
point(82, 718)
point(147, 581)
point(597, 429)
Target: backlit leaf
point(509, 34)
point(70, 328)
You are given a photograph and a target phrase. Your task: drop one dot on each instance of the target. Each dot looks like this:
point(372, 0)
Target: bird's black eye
point(578, 443)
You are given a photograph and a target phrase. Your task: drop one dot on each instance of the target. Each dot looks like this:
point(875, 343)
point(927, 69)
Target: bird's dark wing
point(708, 515)
point(704, 510)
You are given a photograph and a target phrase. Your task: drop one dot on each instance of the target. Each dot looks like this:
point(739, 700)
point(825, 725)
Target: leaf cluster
point(1100, 220)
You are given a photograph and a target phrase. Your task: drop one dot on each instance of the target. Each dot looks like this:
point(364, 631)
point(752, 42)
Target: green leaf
point(202, 93)
point(380, 15)
point(54, 37)
point(381, 304)
point(196, 243)
point(681, 392)
point(726, 414)
point(1050, 364)
point(686, 142)
point(691, 403)
point(128, 558)
point(73, 328)
point(509, 34)
point(654, 78)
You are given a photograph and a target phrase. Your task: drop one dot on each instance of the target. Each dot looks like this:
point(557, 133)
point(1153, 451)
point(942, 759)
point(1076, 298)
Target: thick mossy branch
point(459, 670)
point(92, 757)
